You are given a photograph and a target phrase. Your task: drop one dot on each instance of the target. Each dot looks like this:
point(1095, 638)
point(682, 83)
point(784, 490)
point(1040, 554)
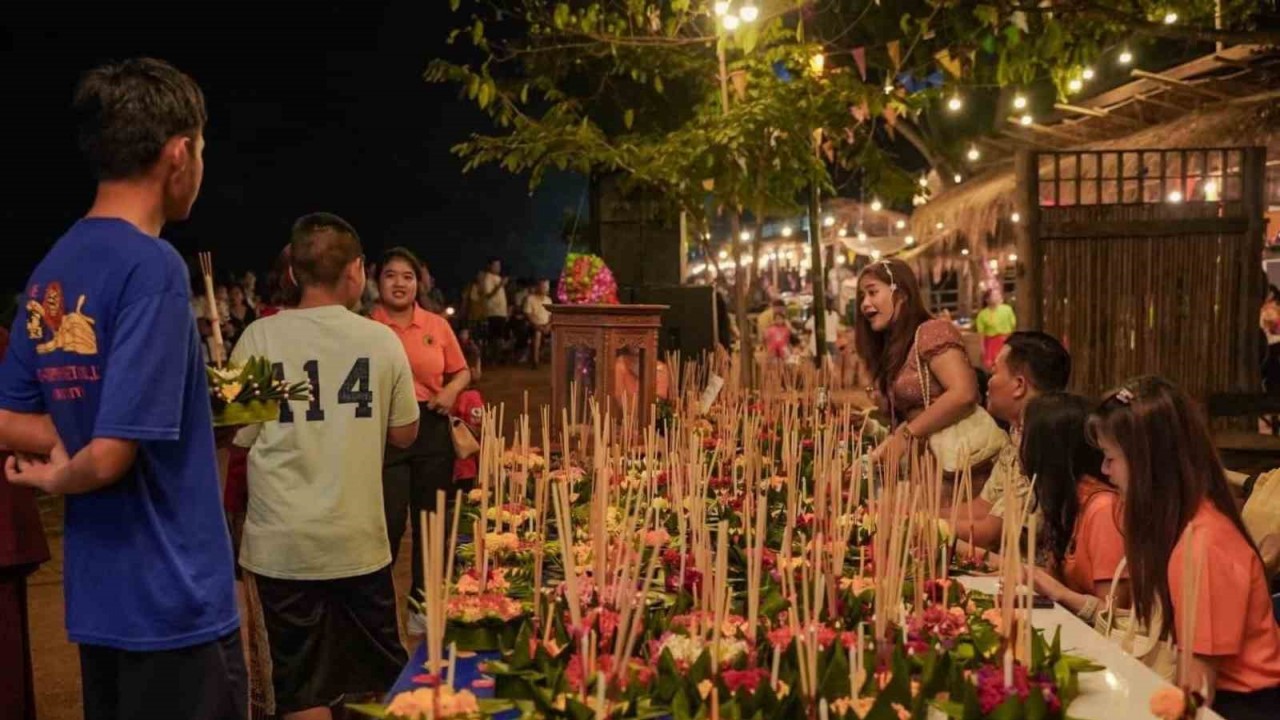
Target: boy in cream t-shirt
point(315, 537)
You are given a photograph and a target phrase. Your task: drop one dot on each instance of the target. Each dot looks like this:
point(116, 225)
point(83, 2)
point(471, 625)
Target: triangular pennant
point(948, 63)
point(895, 54)
point(860, 57)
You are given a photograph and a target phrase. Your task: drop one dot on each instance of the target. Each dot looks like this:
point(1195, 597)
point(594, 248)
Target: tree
point(674, 97)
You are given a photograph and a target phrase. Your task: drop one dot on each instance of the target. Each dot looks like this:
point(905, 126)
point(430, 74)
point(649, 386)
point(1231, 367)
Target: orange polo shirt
point(1234, 620)
point(1097, 547)
point(432, 348)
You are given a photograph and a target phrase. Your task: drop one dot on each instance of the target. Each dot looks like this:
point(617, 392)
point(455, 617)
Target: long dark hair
point(886, 352)
point(1057, 453)
point(1173, 468)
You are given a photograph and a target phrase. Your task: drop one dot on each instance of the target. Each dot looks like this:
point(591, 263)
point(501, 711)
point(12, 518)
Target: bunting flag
point(780, 71)
point(912, 84)
point(860, 57)
point(895, 54)
point(949, 63)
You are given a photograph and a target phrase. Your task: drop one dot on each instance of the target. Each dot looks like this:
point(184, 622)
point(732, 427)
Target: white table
point(1121, 691)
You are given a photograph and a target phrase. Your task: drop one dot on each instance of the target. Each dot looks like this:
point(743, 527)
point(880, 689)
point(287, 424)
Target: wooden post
point(1030, 273)
point(1253, 202)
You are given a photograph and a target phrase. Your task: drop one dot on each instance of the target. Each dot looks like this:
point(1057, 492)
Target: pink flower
point(748, 679)
point(657, 538)
point(780, 638)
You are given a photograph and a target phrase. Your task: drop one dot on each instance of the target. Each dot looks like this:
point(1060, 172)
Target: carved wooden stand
point(588, 342)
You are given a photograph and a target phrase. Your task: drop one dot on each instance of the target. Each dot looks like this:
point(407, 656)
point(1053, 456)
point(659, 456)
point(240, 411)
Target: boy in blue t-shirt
point(105, 382)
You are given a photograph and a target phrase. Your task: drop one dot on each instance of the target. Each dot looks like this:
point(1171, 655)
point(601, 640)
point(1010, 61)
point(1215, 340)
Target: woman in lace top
point(892, 322)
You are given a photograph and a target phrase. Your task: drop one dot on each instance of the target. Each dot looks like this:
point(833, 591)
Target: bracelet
point(1090, 609)
point(905, 430)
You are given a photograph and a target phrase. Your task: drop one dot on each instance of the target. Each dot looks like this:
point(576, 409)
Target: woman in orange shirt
point(411, 477)
point(1157, 450)
point(1079, 507)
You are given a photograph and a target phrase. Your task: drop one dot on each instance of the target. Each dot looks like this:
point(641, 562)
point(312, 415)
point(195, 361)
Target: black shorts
point(202, 682)
point(329, 639)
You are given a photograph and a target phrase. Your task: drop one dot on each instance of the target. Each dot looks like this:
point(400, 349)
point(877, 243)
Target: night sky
point(312, 105)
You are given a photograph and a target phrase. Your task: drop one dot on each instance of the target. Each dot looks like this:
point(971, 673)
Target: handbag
point(1136, 641)
point(969, 441)
point(464, 443)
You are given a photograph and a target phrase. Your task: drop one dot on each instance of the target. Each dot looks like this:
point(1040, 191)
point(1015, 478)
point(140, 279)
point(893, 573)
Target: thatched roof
point(977, 213)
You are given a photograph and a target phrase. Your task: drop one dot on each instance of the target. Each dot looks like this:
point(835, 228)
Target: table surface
point(1121, 691)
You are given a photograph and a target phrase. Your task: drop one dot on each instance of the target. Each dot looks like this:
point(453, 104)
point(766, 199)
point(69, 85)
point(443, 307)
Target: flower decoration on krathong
point(439, 702)
point(489, 606)
point(254, 381)
point(586, 280)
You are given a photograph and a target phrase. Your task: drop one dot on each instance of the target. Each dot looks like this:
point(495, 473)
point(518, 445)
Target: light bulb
point(723, 254)
point(721, 7)
point(974, 153)
point(909, 240)
point(965, 252)
point(888, 88)
point(1013, 257)
point(993, 263)
point(955, 103)
point(1016, 217)
point(842, 232)
point(1019, 101)
point(449, 311)
point(749, 13)
point(1211, 191)
point(1170, 17)
point(829, 221)
point(958, 178)
point(840, 259)
point(875, 254)
point(938, 225)
point(730, 22)
point(786, 231)
point(876, 205)
point(862, 236)
point(818, 63)
point(1087, 73)
point(1126, 57)
point(745, 235)
point(924, 181)
point(1026, 119)
point(1175, 196)
point(1075, 85)
point(900, 224)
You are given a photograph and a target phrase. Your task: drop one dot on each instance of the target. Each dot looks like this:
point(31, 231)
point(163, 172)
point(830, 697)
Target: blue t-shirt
point(106, 344)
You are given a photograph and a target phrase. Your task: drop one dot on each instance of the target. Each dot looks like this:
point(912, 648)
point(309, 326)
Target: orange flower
point(1168, 703)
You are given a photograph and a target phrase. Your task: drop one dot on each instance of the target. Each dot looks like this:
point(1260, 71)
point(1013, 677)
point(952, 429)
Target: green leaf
point(629, 118)
point(657, 83)
point(750, 37)
point(453, 5)
point(484, 95)
point(524, 94)
point(477, 32)
point(560, 17)
point(987, 14)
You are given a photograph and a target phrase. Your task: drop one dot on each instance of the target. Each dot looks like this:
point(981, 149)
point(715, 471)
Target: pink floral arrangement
point(586, 280)
point(490, 606)
point(434, 703)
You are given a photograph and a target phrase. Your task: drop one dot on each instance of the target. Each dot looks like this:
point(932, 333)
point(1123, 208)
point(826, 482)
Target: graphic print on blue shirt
point(106, 344)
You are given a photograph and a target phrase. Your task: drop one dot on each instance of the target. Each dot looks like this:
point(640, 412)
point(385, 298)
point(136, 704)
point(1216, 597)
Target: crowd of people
point(1123, 486)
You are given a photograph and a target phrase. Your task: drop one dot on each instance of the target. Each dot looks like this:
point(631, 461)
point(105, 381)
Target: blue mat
point(467, 672)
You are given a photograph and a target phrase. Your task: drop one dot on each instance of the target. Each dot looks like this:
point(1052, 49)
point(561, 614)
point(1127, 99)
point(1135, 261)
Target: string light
point(909, 240)
point(723, 254)
point(1016, 217)
point(841, 259)
point(1019, 101)
point(828, 221)
point(875, 254)
point(818, 63)
point(745, 235)
point(1075, 85)
point(924, 181)
point(449, 311)
point(1087, 73)
point(1126, 57)
point(955, 103)
point(938, 225)
point(900, 224)
point(974, 153)
point(749, 13)
point(965, 252)
point(1175, 196)
point(862, 236)
point(1026, 119)
point(842, 232)
point(1170, 17)
point(730, 22)
point(888, 87)
point(721, 8)
point(876, 205)
point(958, 178)
point(1013, 257)
point(786, 231)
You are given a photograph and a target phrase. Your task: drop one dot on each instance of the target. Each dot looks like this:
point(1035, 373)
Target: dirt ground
point(56, 661)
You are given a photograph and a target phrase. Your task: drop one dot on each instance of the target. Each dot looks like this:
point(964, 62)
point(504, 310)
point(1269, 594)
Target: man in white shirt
point(315, 538)
point(493, 293)
point(535, 309)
